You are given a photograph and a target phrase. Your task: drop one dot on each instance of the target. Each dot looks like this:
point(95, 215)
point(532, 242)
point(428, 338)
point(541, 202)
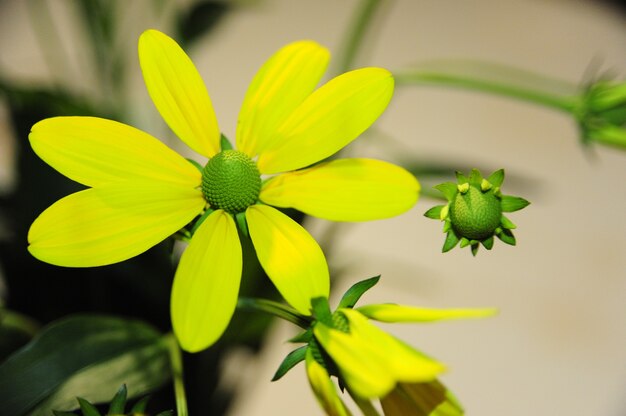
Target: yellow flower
point(141, 192)
point(373, 365)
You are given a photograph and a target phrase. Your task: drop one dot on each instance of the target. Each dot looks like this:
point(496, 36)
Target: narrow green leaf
point(475, 177)
point(461, 179)
point(118, 402)
point(507, 223)
point(83, 356)
point(166, 413)
point(464, 242)
point(87, 408)
point(507, 237)
point(496, 178)
point(448, 189)
point(140, 406)
point(475, 248)
point(321, 310)
point(293, 358)
point(62, 413)
point(451, 241)
point(225, 144)
point(304, 336)
point(513, 203)
point(488, 243)
point(352, 295)
point(434, 212)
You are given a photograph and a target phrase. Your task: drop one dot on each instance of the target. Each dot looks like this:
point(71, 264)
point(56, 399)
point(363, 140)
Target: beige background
point(558, 346)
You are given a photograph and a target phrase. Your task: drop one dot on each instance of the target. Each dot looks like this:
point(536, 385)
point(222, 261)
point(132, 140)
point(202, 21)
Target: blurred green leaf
point(119, 401)
point(15, 331)
point(352, 295)
point(200, 18)
point(293, 358)
point(82, 356)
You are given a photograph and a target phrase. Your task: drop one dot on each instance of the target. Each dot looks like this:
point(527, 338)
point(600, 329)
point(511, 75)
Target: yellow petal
point(324, 389)
point(328, 119)
point(345, 190)
point(403, 313)
point(204, 294)
point(178, 92)
point(421, 399)
point(106, 225)
point(282, 83)
point(372, 361)
point(289, 255)
point(95, 152)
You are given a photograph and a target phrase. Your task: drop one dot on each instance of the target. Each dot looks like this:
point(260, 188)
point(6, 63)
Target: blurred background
point(558, 345)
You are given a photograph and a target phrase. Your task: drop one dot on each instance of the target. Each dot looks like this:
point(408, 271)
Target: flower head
point(141, 192)
point(601, 113)
point(368, 362)
point(473, 214)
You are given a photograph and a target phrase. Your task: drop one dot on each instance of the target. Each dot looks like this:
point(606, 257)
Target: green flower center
point(231, 181)
point(474, 214)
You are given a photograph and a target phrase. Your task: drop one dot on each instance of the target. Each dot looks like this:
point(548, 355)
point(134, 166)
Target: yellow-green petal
point(372, 361)
point(112, 223)
point(282, 83)
point(328, 119)
point(204, 293)
point(324, 389)
point(289, 255)
point(403, 313)
point(178, 92)
point(345, 190)
point(421, 399)
point(96, 151)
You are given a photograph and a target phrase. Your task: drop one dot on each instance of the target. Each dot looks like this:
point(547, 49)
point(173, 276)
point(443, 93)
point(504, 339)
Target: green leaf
point(62, 413)
point(513, 203)
point(464, 242)
point(488, 243)
point(507, 236)
point(352, 295)
point(87, 408)
point(140, 406)
point(448, 189)
point(451, 241)
point(15, 331)
point(293, 358)
point(225, 144)
point(118, 402)
point(461, 179)
point(507, 223)
point(496, 178)
point(166, 413)
point(321, 310)
point(434, 212)
point(475, 177)
point(304, 336)
point(475, 248)
point(83, 356)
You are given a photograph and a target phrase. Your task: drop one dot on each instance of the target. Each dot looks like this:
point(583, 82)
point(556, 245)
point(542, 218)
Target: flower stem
point(176, 364)
point(567, 103)
point(354, 37)
point(274, 308)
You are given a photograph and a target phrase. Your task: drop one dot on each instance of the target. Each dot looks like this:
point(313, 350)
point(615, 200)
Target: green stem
point(274, 308)
point(563, 103)
point(354, 37)
point(176, 364)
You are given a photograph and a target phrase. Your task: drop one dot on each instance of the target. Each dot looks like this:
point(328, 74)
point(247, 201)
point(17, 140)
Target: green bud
point(473, 215)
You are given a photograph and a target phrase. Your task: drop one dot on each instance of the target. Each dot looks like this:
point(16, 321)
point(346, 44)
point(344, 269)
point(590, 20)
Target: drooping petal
point(345, 190)
point(112, 223)
point(204, 294)
point(178, 92)
point(95, 152)
point(328, 119)
point(324, 389)
point(403, 313)
point(282, 83)
point(421, 399)
point(372, 361)
point(289, 255)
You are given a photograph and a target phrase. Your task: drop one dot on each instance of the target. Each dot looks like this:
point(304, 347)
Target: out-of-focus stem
point(176, 364)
